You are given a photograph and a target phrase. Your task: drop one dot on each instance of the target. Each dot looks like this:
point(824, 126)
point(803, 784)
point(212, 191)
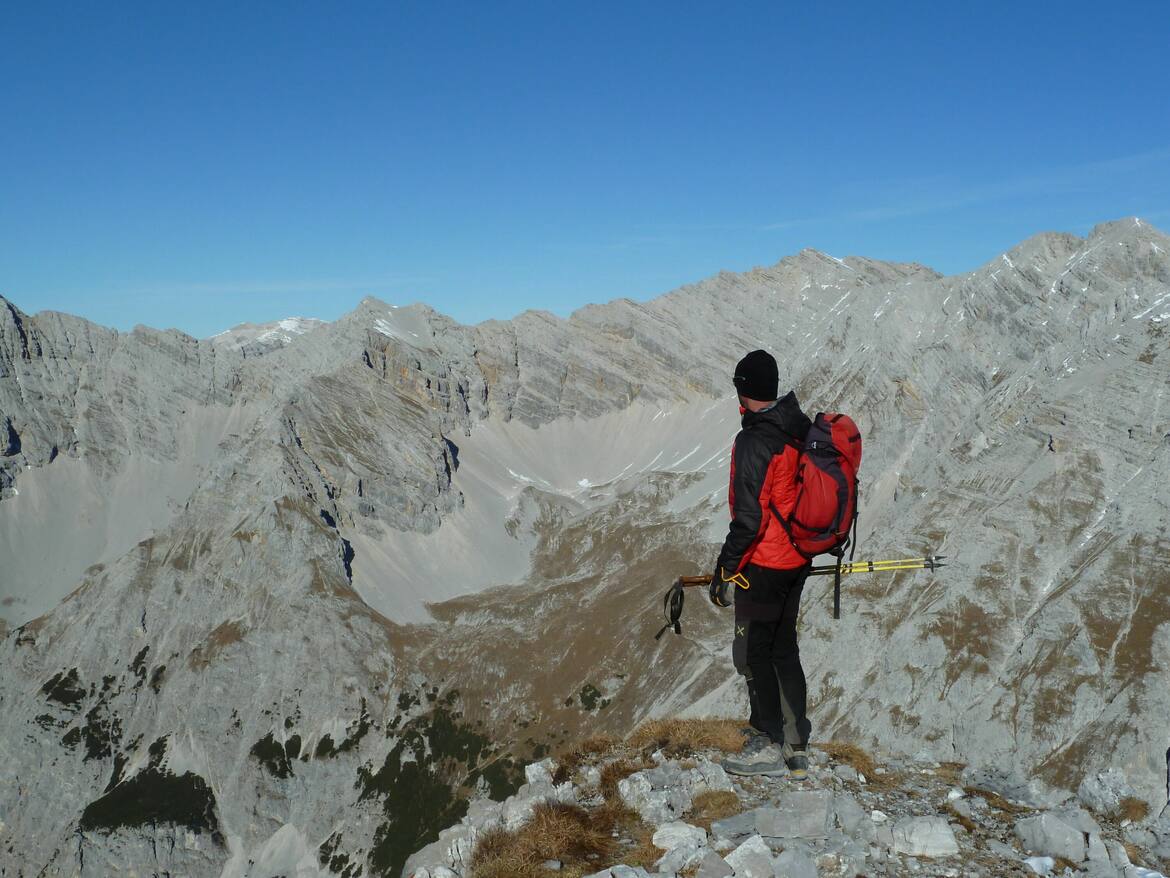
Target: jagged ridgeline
point(296, 594)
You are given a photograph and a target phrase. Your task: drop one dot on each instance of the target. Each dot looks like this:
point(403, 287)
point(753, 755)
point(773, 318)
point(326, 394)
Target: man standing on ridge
point(767, 575)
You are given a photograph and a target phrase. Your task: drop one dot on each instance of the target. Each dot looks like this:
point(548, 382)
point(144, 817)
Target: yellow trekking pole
point(672, 604)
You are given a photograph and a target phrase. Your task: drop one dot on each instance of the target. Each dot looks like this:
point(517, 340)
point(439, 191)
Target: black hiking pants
point(765, 651)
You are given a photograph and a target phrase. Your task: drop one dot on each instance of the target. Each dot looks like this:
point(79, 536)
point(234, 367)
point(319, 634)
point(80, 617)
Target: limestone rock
point(852, 817)
point(797, 814)
point(736, 826)
point(713, 866)
point(540, 772)
point(679, 858)
point(794, 863)
point(1103, 791)
point(752, 859)
point(675, 834)
point(1049, 835)
point(925, 837)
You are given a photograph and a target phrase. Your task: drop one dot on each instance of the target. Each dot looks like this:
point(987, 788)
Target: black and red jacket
point(763, 474)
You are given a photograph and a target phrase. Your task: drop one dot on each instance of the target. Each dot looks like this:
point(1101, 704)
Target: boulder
point(621, 872)
point(540, 772)
point(1160, 830)
point(713, 866)
point(1103, 791)
point(851, 817)
point(518, 809)
point(1096, 851)
point(925, 837)
point(484, 813)
point(452, 850)
point(794, 863)
point(752, 859)
point(846, 773)
point(679, 858)
point(737, 826)
point(1118, 855)
point(1048, 835)
point(1078, 818)
point(840, 855)
point(798, 814)
point(655, 806)
point(663, 793)
point(1013, 786)
point(677, 834)
point(1000, 849)
point(1040, 865)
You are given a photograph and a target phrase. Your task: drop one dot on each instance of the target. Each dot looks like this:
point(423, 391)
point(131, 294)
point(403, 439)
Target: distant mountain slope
point(260, 338)
point(279, 568)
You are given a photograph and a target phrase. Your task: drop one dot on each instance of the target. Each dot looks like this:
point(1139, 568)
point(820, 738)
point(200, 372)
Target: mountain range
point(326, 582)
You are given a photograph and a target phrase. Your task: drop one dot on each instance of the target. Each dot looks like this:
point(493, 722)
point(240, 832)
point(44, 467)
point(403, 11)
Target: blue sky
point(198, 165)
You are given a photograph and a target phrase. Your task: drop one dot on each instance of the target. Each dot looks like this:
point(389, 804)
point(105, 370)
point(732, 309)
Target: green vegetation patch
point(336, 861)
point(65, 688)
point(102, 732)
point(153, 796)
point(592, 699)
point(138, 666)
point(156, 678)
point(275, 757)
point(425, 781)
point(354, 733)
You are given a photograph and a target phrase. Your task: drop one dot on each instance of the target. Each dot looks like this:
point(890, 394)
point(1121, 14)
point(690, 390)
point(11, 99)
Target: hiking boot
point(754, 744)
point(768, 759)
point(796, 759)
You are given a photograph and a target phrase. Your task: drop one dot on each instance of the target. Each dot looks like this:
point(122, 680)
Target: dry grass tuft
point(1065, 867)
point(613, 815)
point(644, 853)
point(588, 751)
point(850, 754)
point(555, 832)
point(1135, 854)
point(713, 805)
point(1133, 809)
point(963, 820)
point(677, 737)
point(951, 772)
point(996, 801)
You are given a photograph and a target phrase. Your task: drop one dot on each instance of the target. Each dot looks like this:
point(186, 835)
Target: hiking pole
point(672, 604)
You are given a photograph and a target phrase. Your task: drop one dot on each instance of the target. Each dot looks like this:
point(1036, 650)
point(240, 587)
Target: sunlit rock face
point(254, 593)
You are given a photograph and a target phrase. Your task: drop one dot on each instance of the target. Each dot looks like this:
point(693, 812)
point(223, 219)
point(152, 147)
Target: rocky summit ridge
point(331, 591)
point(629, 812)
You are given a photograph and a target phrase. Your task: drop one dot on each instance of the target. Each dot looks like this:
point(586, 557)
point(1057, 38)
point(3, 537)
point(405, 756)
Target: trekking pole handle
point(691, 581)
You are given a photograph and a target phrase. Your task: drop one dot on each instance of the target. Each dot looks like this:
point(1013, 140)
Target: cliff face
point(280, 585)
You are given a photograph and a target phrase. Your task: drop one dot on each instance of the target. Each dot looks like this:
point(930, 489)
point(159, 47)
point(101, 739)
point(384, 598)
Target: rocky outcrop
point(911, 819)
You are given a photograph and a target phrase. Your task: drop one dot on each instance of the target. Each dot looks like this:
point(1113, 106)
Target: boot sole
point(771, 772)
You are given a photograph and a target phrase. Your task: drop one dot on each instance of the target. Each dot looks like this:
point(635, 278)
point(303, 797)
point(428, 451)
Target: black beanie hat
point(757, 377)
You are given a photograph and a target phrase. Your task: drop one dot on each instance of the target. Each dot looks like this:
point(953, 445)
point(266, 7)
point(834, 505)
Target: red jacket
point(763, 471)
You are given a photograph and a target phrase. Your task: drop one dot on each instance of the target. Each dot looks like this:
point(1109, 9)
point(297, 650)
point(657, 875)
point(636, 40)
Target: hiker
point(762, 574)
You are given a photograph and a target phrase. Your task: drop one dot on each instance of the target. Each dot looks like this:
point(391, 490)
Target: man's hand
point(720, 590)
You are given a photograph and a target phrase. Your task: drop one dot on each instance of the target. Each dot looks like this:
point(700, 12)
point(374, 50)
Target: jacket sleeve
point(750, 460)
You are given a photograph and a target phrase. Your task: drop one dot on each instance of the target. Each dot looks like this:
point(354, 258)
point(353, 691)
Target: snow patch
point(687, 455)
